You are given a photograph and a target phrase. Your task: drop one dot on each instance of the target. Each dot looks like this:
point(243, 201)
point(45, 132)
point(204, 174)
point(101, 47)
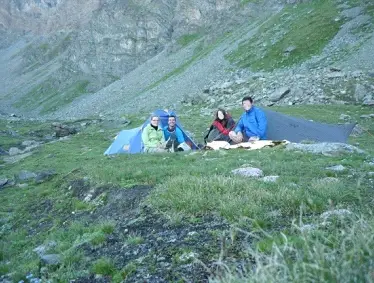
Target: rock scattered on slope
point(248, 172)
point(325, 148)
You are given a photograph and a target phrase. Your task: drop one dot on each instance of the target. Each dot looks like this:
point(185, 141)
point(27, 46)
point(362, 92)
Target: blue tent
point(130, 141)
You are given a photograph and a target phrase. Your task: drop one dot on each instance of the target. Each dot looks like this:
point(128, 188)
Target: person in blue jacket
point(173, 135)
point(252, 124)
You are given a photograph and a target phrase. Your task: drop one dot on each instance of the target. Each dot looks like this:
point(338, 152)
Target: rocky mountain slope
point(62, 59)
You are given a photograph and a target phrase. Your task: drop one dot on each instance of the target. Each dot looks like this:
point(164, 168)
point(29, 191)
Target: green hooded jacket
point(152, 138)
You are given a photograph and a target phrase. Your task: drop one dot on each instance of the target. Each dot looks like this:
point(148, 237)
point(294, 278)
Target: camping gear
point(284, 127)
point(252, 145)
point(130, 141)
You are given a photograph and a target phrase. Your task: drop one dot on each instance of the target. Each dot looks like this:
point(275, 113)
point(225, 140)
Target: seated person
point(173, 136)
point(153, 136)
point(252, 124)
point(222, 125)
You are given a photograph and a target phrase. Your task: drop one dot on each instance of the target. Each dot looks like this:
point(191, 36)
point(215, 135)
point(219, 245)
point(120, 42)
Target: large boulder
point(63, 130)
point(279, 94)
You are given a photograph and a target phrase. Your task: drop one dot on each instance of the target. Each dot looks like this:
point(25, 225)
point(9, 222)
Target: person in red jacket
point(222, 125)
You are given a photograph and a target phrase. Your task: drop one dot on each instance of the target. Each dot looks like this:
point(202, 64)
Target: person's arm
point(221, 128)
point(239, 127)
point(162, 141)
point(145, 138)
point(262, 123)
point(179, 134)
point(230, 124)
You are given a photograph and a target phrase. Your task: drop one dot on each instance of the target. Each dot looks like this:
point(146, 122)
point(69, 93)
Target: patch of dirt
point(155, 249)
point(145, 246)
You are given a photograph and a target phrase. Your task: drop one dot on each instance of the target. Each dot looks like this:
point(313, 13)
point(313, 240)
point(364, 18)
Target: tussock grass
point(134, 239)
point(103, 266)
point(341, 251)
point(237, 197)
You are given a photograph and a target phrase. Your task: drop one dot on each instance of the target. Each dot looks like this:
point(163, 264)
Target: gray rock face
point(84, 47)
point(279, 94)
point(353, 12)
point(43, 16)
point(104, 44)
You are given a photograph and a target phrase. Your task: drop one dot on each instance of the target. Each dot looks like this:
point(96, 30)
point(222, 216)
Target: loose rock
point(270, 179)
point(248, 172)
point(336, 168)
point(51, 259)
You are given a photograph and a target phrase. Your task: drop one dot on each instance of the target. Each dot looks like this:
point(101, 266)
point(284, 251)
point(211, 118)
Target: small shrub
point(103, 266)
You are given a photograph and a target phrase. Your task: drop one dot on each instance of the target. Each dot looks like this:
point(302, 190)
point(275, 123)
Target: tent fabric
point(284, 127)
point(123, 141)
point(130, 141)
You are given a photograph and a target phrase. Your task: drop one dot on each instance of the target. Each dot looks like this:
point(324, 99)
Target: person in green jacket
point(153, 136)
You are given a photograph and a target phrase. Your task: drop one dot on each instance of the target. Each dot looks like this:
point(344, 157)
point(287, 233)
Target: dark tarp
point(284, 127)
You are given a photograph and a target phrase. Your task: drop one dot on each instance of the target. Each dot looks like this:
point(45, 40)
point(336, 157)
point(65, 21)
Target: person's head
point(220, 114)
point(247, 103)
point(172, 121)
point(154, 120)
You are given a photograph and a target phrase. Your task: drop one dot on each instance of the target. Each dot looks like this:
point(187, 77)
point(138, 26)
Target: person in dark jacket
point(222, 125)
point(252, 124)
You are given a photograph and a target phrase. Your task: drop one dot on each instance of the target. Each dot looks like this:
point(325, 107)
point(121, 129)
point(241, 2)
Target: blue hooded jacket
point(253, 123)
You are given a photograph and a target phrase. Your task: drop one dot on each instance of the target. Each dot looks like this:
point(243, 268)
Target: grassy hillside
point(289, 37)
point(109, 216)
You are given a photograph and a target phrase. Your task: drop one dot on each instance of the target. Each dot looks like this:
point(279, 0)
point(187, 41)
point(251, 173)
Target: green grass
point(308, 27)
point(103, 266)
point(186, 39)
point(186, 186)
point(340, 252)
point(108, 228)
point(134, 240)
point(245, 2)
point(50, 98)
point(255, 199)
